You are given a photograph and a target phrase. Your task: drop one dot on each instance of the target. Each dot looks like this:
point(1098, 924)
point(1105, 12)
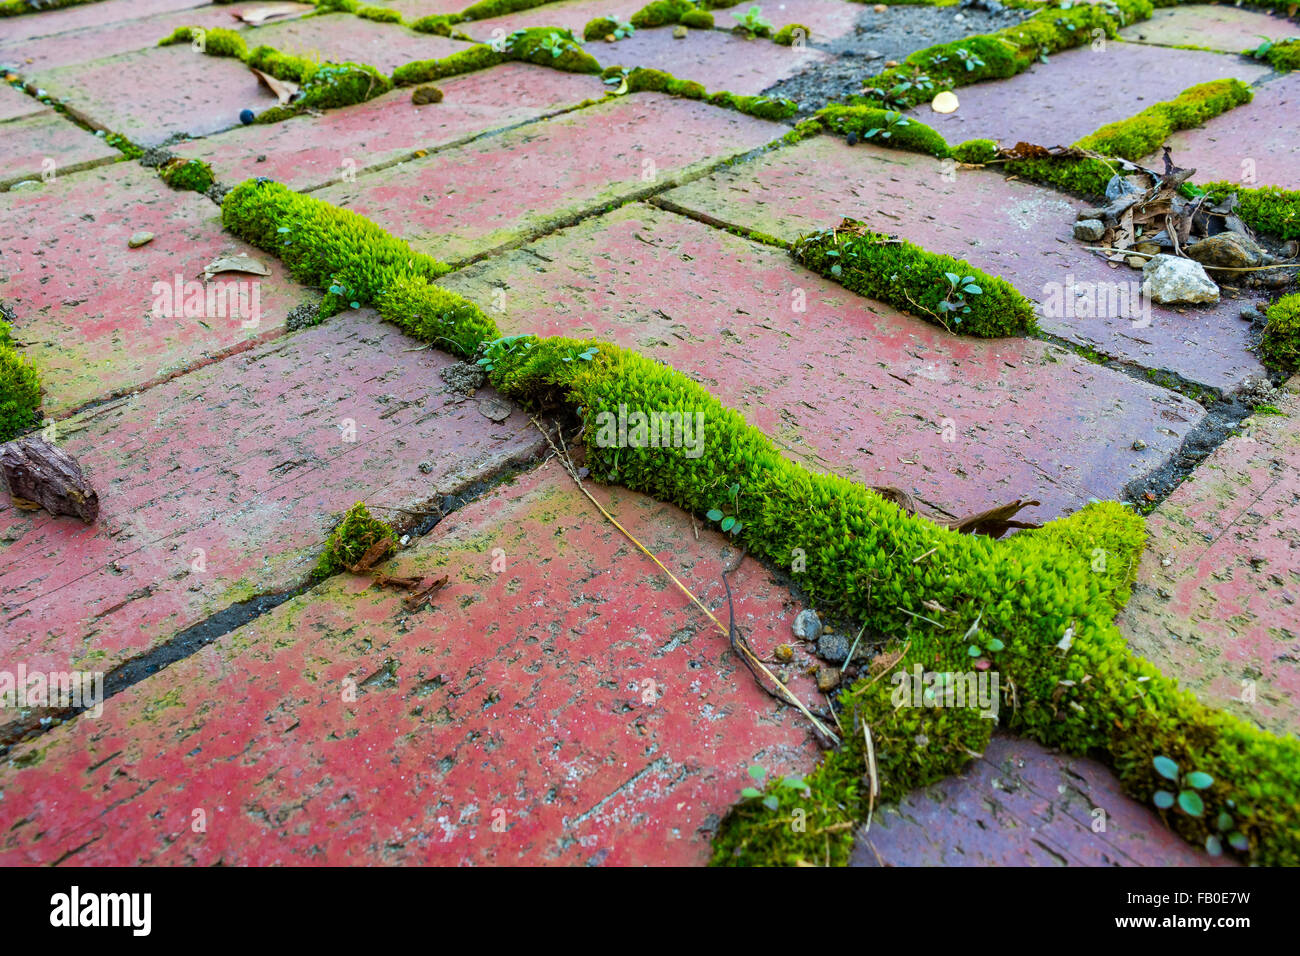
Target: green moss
point(16, 8)
point(485, 9)
point(1280, 347)
point(1143, 134)
point(883, 128)
point(1039, 605)
point(355, 534)
point(436, 24)
point(553, 47)
point(1269, 209)
point(214, 41)
point(975, 152)
point(1132, 138)
point(916, 281)
point(1085, 176)
point(123, 145)
point(20, 389)
point(659, 13)
point(787, 35)
point(378, 14)
point(697, 19)
point(464, 61)
point(999, 55)
point(332, 85)
point(356, 262)
point(599, 28)
point(1281, 55)
point(643, 80)
point(192, 174)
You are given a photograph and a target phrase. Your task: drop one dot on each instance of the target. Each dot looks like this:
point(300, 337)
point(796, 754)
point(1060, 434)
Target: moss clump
point(356, 262)
point(599, 28)
point(883, 128)
point(424, 95)
point(697, 19)
point(464, 61)
point(934, 287)
point(553, 47)
point(787, 35)
point(1280, 347)
point(1281, 55)
point(436, 24)
point(353, 537)
point(485, 9)
point(659, 13)
point(124, 146)
point(1269, 209)
point(332, 85)
point(20, 389)
point(16, 8)
point(1084, 176)
point(192, 174)
point(999, 55)
point(975, 152)
point(378, 14)
point(1143, 134)
point(216, 41)
point(644, 80)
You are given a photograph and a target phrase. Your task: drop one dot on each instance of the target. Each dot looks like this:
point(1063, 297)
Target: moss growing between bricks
point(787, 35)
point(353, 537)
point(1280, 347)
point(660, 13)
point(192, 174)
point(975, 152)
point(544, 46)
point(883, 128)
point(16, 8)
point(642, 80)
point(1038, 607)
point(20, 389)
point(1132, 138)
point(1002, 54)
point(938, 288)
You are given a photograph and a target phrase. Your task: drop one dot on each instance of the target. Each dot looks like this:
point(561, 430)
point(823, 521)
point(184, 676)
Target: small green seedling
point(959, 287)
point(753, 22)
point(1188, 798)
point(893, 121)
point(759, 772)
point(729, 523)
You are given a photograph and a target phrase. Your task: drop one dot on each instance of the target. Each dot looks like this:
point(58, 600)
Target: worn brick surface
point(1022, 805)
point(15, 103)
point(1254, 145)
point(84, 301)
point(576, 697)
point(186, 93)
point(95, 43)
point(250, 461)
point(1212, 26)
point(1042, 105)
point(312, 151)
point(341, 37)
point(848, 386)
point(412, 10)
point(51, 22)
point(502, 189)
point(719, 60)
point(1012, 229)
point(47, 142)
point(1222, 615)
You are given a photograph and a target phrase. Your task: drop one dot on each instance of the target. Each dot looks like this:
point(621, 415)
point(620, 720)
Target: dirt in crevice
point(881, 37)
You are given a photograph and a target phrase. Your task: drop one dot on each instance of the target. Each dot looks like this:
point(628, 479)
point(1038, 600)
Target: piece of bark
point(996, 521)
point(39, 475)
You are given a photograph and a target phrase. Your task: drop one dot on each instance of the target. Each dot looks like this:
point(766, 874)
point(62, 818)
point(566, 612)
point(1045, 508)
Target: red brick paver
point(250, 461)
point(1216, 599)
point(1021, 805)
point(503, 189)
point(849, 385)
point(90, 15)
point(187, 93)
point(1011, 229)
point(45, 143)
point(94, 313)
point(309, 152)
point(1254, 145)
point(573, 708)
point(340, 37)
point(1042, 105)
point(125, 36)
point(1220, 27)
